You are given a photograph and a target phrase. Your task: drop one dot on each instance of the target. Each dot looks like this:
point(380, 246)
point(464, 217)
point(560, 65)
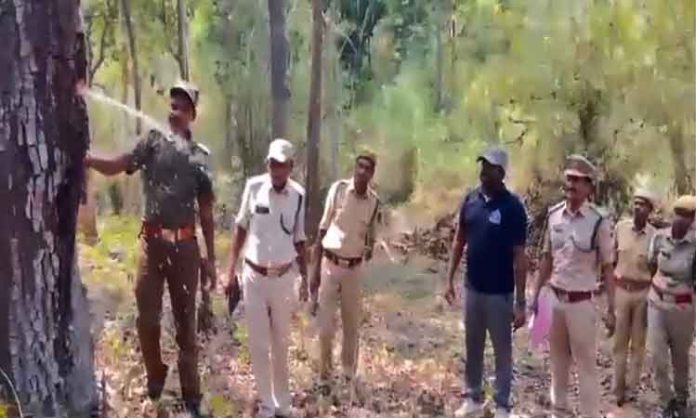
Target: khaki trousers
point(340, 285)
point(268, 304)
point(178, 265)
point(630, 334)
point(670, 333)
point(572, 337)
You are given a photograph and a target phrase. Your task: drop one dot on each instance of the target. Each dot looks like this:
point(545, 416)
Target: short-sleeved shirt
point(492, 228)
point(632, 250)
point(349, 220)
point(675, 261)
point(577, 251)
point(175, 173)
point(274, 221)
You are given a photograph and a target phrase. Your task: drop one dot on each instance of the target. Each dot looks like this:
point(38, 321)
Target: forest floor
point(411, 358)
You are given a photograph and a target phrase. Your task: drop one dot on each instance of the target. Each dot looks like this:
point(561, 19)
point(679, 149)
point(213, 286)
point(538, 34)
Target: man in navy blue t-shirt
point(493, 227)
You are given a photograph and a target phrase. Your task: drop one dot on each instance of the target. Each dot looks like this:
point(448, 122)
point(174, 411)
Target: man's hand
point(610, 322)
point(450, 294)
point(87, 162)
point(304, 292)
point(520, 317)
point(208, 267)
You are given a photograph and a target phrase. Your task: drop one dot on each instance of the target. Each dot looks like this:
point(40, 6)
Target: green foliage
point(428, 84)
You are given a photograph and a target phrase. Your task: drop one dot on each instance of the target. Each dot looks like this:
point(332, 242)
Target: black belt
point(342, 261)
point(269, 271)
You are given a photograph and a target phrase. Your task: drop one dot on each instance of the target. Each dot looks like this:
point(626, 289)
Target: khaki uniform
point(175, 172)
point(349, 220)
point(671, 323)
point(633, 282)
point(274, 222)
point(579, 243)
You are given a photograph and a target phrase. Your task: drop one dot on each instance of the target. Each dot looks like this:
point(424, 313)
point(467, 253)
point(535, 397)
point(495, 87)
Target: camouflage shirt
point(174, 172)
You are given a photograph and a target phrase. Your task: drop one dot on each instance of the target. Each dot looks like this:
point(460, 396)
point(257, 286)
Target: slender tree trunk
point(183, 40)
point(314, 123)
point(683, 180)
point(439, 56)
point(45, 342)
point(280, 93)
point(229, 150)
point(130, 34)
point(87, 215)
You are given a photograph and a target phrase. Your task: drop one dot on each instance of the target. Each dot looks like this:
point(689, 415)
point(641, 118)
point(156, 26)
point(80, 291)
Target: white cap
point(280, 150)
point(496, 156)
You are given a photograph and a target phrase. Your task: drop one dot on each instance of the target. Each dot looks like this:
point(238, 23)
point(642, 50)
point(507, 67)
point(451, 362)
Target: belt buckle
point(565, 297)
point(668, 297)
point(168, 235)
point(273, 271)
point(343, 263)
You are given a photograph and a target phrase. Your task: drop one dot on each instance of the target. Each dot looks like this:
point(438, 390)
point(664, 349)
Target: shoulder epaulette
point(555, 208)
point(203, 148)
point(598, 211)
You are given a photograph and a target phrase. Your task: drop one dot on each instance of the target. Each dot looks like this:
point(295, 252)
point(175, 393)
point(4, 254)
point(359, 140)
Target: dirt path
point(411, 358)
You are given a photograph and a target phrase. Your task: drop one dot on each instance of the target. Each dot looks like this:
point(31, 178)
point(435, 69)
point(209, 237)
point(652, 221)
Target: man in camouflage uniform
point(578, 247)
point(176, 177)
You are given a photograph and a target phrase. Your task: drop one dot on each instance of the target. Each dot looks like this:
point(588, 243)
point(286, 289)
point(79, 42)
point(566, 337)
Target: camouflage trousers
point(178, 265)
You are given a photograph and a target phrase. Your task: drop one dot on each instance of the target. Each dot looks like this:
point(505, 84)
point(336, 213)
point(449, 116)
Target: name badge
point(494, 217)
point(262, 210)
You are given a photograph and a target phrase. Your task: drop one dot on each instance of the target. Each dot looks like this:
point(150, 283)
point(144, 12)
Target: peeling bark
point(45, 345)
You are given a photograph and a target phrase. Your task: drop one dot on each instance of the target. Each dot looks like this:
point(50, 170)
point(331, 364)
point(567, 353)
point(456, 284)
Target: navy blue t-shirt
point(492, 229)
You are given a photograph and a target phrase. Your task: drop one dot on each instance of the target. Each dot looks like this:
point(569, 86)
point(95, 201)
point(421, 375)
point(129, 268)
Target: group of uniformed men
point(649, 275)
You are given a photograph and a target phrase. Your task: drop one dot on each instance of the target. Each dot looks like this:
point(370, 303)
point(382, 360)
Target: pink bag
point(540, 324)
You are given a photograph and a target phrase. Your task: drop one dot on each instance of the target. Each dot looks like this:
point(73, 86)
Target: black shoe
point(155, 389)
point(193, 409)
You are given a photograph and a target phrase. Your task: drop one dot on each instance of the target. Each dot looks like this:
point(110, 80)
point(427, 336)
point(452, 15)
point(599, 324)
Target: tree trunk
point(280, 93)
point(45, 341)
point(314, 123)
point(439, 56)
point(130, 34)
point(183, 40)
point(229, 141)
point(87, 214)
point(683, 181)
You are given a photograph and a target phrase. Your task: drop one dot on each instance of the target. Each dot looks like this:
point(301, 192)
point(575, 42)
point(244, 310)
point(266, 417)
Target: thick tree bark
point(45, 344)
point(183, 40)
point(280, 93)
point(132, 49)
point(314, 123)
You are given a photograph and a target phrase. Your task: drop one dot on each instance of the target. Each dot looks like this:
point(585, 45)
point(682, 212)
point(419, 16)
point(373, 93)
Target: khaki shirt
point(175, 172)
point(274, 221)
point(632, 250)
point(576, 259)
point(675, 262)
point(349, 220)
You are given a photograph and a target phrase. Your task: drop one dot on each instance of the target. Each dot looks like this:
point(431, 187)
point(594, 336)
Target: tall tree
point(45, 342)
point(183, 40)
point(132, 49)
point(314, 122)
point(280, 93)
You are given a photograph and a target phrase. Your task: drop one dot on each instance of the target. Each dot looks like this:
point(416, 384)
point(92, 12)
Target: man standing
point(672, 257)
point(633, 277)
point(493, 226)
point(175, 176)
point(577, 246)
point(346, 240)
point(270, 231)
